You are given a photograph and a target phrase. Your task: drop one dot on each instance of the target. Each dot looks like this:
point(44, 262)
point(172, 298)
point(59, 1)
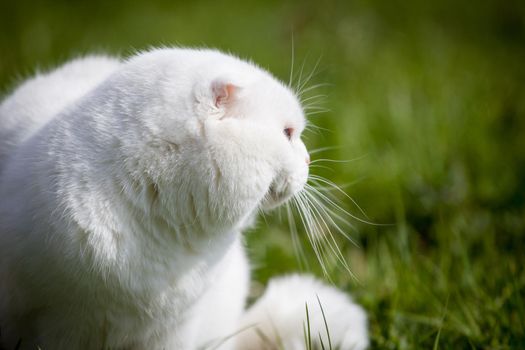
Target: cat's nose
point(307, 159)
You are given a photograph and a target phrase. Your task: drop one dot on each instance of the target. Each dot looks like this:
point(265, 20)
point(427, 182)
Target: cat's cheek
point(301, 165)
point(298, 182)
point(250, 155)
point(246, 142)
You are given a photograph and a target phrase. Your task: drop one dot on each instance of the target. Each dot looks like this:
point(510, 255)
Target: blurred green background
point(427, 100)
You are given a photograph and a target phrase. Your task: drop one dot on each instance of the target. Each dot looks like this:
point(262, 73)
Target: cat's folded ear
point(224, 93)
point(217, 98)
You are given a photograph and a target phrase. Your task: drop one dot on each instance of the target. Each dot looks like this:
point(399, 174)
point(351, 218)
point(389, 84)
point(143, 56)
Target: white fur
point(124, 187)
point(278, 319)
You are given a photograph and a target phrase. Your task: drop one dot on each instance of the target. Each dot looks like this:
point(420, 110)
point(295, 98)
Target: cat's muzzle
point(278, 193)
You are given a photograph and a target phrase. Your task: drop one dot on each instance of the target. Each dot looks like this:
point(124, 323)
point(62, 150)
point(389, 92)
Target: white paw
point(279, 317)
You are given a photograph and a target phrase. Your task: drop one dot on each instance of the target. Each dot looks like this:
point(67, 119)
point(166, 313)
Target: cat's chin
point(274, 199)
point(267, 205)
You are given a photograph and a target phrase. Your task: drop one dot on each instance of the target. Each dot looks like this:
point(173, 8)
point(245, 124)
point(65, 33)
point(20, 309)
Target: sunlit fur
point(124, 188)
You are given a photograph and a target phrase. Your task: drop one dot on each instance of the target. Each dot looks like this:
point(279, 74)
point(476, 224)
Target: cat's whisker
point(306, 137)
point(322, 149)
point(333, 244)
point(321, 167)
point(290, 79)
point(314, 206)
point(332, 214)
point(309, 114)
point(310, 225)
point(331, 187)
point(337, 188)
point(314, 86)
point(310, 76)
point(299, 79)
point(317, 235)
point(298, 248)
point(314, 105)
point(328, 189)
point(307, 224)
point(311, 126)
point(335, 160)
point(314, 98)
point(308, 109)
point(317, 225)
point(338, 207)
point(320, 238)
point(314, 226)
point(311, 109)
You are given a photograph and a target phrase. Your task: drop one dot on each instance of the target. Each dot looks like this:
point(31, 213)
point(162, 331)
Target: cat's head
point(223, 136)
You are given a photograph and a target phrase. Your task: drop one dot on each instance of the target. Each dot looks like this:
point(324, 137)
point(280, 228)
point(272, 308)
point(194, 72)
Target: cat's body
point(124, 188)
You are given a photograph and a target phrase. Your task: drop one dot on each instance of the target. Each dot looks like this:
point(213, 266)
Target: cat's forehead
point(279, 103)
point(270, 98)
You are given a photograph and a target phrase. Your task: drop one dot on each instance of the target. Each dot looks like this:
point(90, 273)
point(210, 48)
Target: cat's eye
point(288, 132)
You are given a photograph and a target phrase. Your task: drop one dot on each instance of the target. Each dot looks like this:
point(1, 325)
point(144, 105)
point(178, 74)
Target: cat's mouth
point(276, 195)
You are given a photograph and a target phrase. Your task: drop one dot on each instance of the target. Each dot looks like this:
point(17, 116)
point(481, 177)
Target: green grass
point(427, 99)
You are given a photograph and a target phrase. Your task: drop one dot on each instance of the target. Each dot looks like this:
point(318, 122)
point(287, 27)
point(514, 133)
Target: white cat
point(124, 188)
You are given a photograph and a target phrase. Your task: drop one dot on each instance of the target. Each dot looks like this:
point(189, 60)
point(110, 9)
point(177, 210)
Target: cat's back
point(39, 99)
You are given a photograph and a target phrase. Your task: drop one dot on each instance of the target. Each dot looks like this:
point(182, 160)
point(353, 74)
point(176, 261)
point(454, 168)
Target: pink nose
point(307, 159)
